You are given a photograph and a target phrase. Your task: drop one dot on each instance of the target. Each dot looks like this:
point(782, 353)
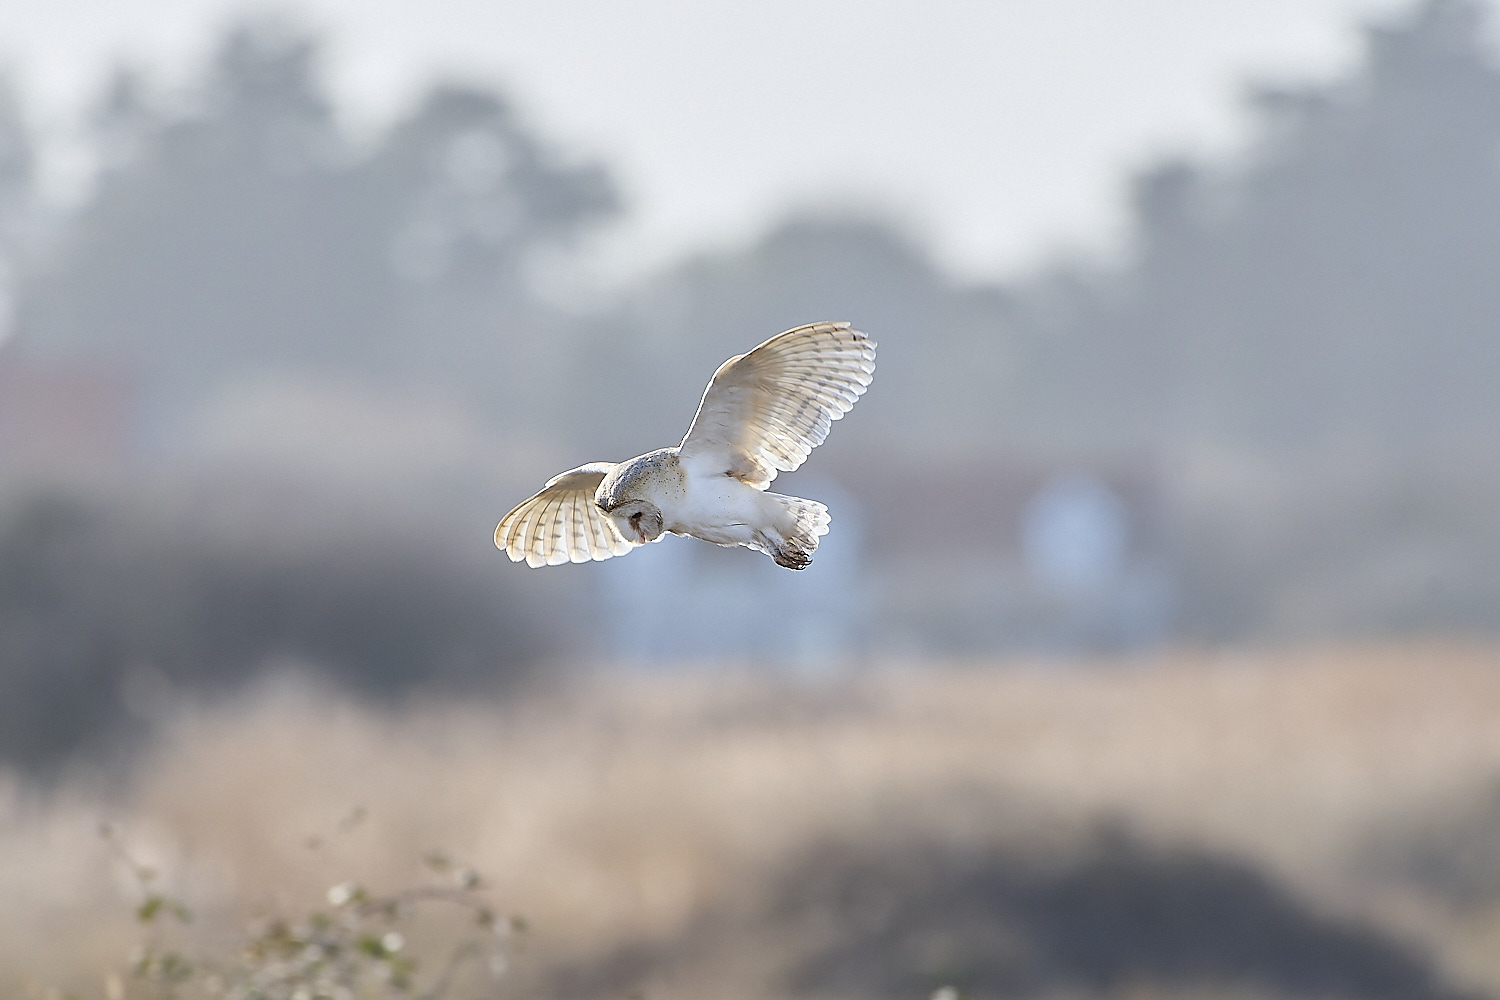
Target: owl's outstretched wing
point(561, 524)
point(767, 410)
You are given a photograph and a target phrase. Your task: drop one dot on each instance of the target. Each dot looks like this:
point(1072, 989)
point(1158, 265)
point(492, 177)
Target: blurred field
point(1315, 821)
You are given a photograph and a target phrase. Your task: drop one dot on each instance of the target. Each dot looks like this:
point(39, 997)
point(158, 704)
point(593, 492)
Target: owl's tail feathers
point(804, 522)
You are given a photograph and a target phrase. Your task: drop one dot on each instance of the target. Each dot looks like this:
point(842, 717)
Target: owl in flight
point(762, 412)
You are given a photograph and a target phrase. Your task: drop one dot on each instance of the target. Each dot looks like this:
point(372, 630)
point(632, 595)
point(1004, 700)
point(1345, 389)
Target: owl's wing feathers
point(561, 523)
point(767, 410)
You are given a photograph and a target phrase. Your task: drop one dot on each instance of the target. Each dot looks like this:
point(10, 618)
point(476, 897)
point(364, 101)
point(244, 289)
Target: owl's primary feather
point(763, 412)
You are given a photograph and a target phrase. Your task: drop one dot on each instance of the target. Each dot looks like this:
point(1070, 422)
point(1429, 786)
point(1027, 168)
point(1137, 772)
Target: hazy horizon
point(755, 136)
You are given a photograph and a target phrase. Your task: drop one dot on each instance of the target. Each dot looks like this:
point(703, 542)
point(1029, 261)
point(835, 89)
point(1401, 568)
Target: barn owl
point(762, 412)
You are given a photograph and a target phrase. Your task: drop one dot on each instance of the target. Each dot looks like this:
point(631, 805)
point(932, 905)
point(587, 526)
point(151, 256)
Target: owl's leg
point(797, 525)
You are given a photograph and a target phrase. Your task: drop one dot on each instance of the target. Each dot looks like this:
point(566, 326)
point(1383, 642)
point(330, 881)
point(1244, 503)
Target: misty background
point(267, 386)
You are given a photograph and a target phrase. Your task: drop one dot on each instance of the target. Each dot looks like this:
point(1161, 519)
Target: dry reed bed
point(616, 808)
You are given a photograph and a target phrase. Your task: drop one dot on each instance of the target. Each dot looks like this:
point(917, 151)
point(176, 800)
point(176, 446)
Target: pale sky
point(999, 131)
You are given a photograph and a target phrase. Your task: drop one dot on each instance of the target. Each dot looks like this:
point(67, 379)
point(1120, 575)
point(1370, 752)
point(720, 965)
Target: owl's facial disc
point(638, 520)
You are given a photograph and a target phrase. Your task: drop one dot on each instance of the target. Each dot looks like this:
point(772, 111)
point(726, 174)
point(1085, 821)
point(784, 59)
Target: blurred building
point(1037, 554)
point(62, 415)
point(1047, 556)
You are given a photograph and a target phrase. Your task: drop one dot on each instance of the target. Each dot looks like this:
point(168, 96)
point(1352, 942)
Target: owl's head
point(624, 495)
point(639, 521)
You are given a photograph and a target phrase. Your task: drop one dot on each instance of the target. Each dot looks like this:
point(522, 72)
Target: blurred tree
point(464, 197)
point(1341, 284)
point(1327, 301)
point(17, 175)
point(208, 248)
point(235, 237)
point(946, 365)
point(247, 237)
point(125, 125)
